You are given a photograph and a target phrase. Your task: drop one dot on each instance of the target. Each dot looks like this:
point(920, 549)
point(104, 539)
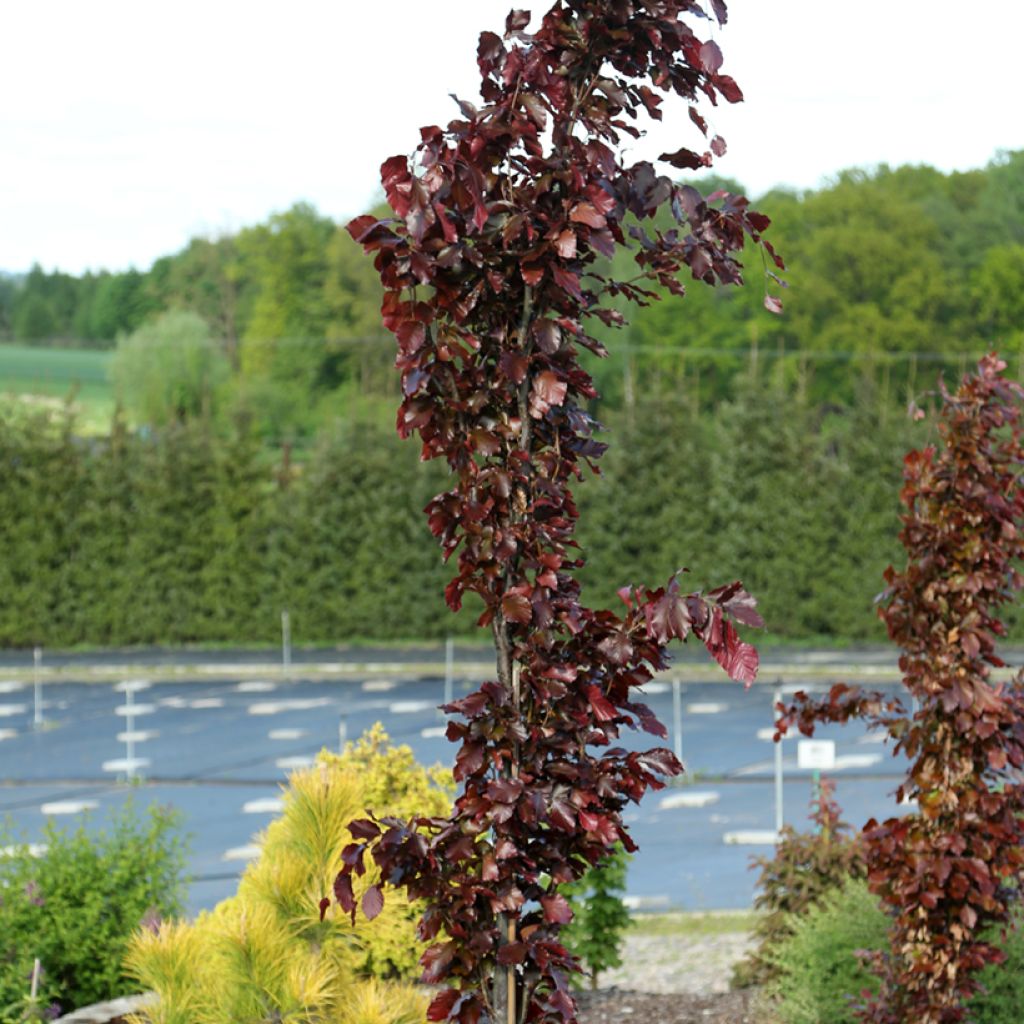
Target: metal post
point(37, 659)
point(129, 736)
point(778, 769)
point(449, 670)
point(677, 719)
point(286, 644)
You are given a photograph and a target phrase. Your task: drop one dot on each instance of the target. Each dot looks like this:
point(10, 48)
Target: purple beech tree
point(953, 867)
point(493, 273)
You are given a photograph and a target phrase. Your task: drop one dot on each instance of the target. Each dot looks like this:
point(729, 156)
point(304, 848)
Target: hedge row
point(190, 537)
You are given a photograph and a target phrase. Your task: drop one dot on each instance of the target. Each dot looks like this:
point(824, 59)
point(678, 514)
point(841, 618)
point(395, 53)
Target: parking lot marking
point(650, 689)
point(126, 764)
point(856, 761)
point(132, 685)
point(69, 806)
point(410, 707)
point(263, 805)
point(173, 702)
point(11, 686)
point(295, 761)
point(256, 686)
point(128, 710)
point(287, 734)
point(706, 708)
point(751, 837)
point(10, 710)
point(206, 702)
point(248, 852)
point(378, 685)
point(137, 735)
point(8, 734)
point(434, 732)
point(275, 707)
point(873, 737)
point(766, 734)
point(702, 798)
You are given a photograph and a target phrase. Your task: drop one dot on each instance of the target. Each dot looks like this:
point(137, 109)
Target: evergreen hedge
point(201, 535)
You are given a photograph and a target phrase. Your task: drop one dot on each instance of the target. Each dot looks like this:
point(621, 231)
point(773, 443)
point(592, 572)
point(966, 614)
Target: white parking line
point(173, 702)
point(132, 685)
point(137, 735)
point(275, 707)
point(410, 707)
point(263, 805)
point(248, 852)
point(650, 689)
point(702, 798)
point(856, 761)
point(766, 734)
point(378, 685)
point(287, 734)
point(10, 710)
point(433, 732)
point(646, 902)
point(751, 837)
point(206, 702)
point(706, 708)
point(295, 761)
point(11, 686)
point(873, 737)
point(69, 806)
point(8, 734)
point(256, 686)
point(126, 710)
point(126, 764)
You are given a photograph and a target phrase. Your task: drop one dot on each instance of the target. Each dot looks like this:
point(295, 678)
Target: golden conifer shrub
point(264, 954)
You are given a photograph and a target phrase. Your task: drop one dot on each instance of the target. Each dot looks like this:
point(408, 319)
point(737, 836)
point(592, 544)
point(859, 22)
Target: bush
point(600, 917)
point(264, 953)
point(806, 867)
point(816, 976)
point(76, 906)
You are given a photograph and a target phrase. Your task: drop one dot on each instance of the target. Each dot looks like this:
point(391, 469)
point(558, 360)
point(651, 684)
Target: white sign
point(816, 754)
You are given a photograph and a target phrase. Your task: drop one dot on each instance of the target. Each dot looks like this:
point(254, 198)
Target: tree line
point(194, 535)
point(907, 268)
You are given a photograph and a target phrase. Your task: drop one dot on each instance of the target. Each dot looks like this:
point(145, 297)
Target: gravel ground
point(673, 979)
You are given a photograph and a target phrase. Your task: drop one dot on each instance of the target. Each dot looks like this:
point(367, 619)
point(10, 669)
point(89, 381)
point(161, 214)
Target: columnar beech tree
point(952, 868)
point(494, 268)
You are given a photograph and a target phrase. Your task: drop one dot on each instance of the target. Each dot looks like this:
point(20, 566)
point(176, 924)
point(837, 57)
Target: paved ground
point(220, 750)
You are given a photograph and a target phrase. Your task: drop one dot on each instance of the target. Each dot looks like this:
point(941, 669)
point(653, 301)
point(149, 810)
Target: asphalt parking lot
point(221, 750)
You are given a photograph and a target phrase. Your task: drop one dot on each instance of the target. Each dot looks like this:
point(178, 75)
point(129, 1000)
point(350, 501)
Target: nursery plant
point(495, 268)
point(261, 955)
point(949, 871)
point(805, 868)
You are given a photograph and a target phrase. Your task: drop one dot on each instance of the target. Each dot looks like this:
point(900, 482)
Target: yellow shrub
point(264, 954)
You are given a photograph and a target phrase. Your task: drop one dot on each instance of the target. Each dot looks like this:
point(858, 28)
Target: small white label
point(818, 755)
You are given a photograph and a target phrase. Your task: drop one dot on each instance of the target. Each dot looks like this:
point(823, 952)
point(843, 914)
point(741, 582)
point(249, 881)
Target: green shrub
point(816, 977)
point(76, 905)
point(264, 954)
point(1001, 1000)
point(805, 868)
point(600, 917)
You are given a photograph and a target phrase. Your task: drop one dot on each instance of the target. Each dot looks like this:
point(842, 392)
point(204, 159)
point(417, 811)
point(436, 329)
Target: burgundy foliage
point(492, 271)
point(946, 871)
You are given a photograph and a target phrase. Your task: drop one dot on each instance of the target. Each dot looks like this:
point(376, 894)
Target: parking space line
point(69, 806)
point(248, 852)
point(263, 805)
point(256, 686)
point(10, 710)
point(205, 703)
point(295, 761)
point(706, 708)
point(433, 732)
point(700, 798)
point(287, 734)
point(410, 707)
point(8, 734)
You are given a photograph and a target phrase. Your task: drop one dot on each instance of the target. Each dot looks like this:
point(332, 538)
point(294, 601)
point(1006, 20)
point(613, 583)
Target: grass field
point(58, 373)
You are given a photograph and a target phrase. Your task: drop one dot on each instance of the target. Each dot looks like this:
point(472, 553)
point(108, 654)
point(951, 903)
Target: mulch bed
point(612, 1006)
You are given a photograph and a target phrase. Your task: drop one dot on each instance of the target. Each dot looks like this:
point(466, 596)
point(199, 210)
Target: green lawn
point(57, 373)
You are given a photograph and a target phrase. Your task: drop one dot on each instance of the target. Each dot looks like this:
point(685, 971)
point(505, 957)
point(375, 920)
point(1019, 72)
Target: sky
point(128, 128)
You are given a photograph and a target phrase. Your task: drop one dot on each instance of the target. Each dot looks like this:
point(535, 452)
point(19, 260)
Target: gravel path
point(693, 964)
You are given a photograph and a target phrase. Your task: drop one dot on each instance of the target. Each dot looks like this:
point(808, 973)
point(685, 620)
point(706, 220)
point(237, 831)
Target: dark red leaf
point(373, 902)
point(604, 710)
point(556, 909)
point(684, 158)
point(772, 304)
point(442, 1004)
point(517, 608)
point(729, 89)
point(711, 57)
point(343, 895)
point(324, 904)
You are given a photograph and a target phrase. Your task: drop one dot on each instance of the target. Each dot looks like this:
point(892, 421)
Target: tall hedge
point(191, 535)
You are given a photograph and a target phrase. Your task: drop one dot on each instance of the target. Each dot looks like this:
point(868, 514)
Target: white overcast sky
point(128, 127)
